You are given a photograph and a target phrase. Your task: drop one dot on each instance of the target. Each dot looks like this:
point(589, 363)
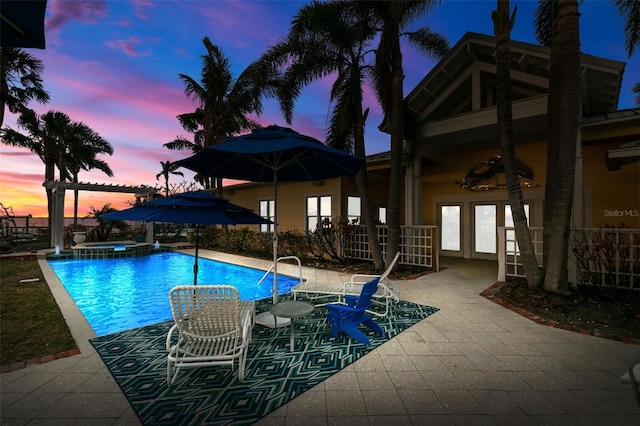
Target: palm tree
point(630, 11)
point(224, 104)
point(393, 19)
point(564, 119)
point(557, 26)
point(502, 25)
point(182, 143)
point(20, 81)
point(83, 145)
point(45, 140)
point(326, 39)
point(168, 168)
point(59, 142)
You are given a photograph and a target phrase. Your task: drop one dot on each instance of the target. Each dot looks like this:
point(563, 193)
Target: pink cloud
point(63, 11)
point(141, 7)
point(242, 24)
point(124, 23)
point(128, 46)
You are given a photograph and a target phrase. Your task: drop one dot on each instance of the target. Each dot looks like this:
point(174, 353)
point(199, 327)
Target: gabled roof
point(464, 81)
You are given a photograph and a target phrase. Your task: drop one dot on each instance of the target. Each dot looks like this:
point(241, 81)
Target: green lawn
point(31, 325)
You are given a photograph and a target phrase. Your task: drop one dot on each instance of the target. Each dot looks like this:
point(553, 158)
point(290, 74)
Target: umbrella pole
point(267, 318)
point(275, 238)
point(195, 264)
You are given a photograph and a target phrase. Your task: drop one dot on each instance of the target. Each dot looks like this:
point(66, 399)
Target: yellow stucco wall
point(292, 197)
point(439, 181)
point(610, 197)
point(614, 195)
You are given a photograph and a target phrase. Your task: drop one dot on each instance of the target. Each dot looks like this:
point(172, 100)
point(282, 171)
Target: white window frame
point(382, 215)
point(318, 217)
point(270, 214)
point(354, 203)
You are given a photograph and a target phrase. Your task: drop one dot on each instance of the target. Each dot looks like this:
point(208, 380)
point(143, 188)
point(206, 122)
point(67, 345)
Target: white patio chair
point(212, 327)
point(385, 295)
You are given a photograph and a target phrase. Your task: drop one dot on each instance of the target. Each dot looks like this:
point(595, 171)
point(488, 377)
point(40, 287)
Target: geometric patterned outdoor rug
point(275, 375)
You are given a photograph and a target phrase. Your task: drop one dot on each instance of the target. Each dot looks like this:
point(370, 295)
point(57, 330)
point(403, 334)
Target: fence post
point(435, 250)
point(502, 250)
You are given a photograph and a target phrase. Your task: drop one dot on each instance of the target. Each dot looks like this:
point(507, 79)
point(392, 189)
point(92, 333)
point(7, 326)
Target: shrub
point(326, 243)
point(606, 257)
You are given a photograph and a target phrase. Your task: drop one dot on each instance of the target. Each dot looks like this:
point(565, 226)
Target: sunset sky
point(114, 65)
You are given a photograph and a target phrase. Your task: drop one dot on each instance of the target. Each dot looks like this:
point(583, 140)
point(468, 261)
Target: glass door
point(451, 219)
point(484, 231)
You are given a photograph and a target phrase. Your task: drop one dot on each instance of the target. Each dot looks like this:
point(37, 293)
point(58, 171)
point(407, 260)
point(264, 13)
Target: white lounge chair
point(385, 295)
point(212, 327)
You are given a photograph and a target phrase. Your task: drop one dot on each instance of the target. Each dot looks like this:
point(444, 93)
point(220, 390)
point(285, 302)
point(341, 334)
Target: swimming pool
point(120, 294)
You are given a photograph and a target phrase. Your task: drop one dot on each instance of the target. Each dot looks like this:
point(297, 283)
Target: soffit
point(462, 86)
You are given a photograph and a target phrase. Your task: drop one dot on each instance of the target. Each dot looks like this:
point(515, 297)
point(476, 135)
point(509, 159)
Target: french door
point(470, 229)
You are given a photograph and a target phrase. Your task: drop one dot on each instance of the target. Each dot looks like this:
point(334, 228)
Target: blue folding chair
point(348, 316)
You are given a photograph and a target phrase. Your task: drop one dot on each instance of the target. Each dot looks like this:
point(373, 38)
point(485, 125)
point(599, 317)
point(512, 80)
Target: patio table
point(291, 309)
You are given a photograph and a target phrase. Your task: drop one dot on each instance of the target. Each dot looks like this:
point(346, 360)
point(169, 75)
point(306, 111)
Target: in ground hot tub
point(111, 250)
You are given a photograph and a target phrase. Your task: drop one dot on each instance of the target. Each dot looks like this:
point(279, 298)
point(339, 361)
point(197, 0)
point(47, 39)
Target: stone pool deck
point(473, 362)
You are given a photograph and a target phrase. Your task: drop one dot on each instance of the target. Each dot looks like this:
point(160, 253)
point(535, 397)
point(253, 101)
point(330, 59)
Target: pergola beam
point(58, 188)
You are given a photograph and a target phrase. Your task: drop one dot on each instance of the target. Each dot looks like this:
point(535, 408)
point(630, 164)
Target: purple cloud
point(128, 46)
point(64, 11)
point(141, 7)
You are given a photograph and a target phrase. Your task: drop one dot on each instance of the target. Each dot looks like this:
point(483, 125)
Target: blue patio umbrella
point(193, 207)
point(273, 154)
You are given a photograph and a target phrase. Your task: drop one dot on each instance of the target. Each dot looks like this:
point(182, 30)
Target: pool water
point(121, 294)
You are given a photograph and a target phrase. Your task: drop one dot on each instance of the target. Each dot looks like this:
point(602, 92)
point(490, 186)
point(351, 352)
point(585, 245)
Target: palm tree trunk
point(75, 200)
point(564, 116)
point(362, 179)
point(502, 29)
point(397, 145)
point(49, 175)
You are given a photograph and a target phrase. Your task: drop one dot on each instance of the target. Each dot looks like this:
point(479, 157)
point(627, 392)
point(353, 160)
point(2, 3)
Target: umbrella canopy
point(273, 154)
point(195, 208)
point(22, 23)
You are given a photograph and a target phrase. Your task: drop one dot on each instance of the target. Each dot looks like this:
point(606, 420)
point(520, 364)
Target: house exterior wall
point(439, 181)
point(292, 197)
point(612, 197)
point(378, 189)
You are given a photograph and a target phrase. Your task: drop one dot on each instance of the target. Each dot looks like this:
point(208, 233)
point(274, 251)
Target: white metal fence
point(418, 245)
point(597, 256)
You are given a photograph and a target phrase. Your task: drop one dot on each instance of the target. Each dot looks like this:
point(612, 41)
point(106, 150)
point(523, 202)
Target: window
point(508, 223)
point(353, 210)
point(382, 215)
point(318, 211)
point(267, 211)
point(508, 217)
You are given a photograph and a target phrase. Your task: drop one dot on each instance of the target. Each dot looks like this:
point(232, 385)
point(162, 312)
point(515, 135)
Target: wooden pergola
point(58, 191)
